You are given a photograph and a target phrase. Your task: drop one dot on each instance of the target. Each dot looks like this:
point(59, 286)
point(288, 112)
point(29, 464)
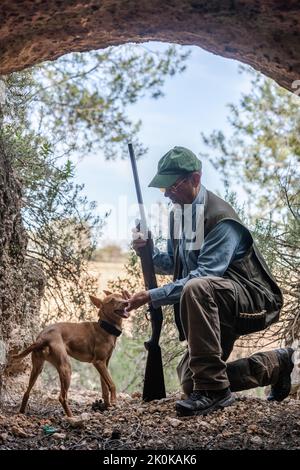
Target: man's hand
point(137, 300)
point(139, 240)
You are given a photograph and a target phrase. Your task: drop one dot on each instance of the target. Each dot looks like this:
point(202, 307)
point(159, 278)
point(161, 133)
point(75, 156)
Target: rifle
point(154, 385)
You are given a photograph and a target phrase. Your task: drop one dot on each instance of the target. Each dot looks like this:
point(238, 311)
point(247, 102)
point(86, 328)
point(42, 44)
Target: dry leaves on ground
point(249, 423)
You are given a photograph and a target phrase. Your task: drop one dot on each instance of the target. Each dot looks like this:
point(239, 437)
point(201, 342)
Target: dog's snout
point(123, 303)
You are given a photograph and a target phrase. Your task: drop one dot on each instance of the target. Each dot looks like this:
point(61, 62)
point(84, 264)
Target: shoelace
point(198, 395)
point(203, 395)
point(202, 398)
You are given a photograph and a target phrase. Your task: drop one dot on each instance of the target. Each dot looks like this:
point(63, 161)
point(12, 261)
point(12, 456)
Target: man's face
point(184, 190)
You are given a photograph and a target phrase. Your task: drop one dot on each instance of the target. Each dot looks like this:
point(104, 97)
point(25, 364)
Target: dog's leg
point(60, 359)
point(105, 392)
point(65, 372)
point(37, 367)
point(113, 389)
point(104, 387)
point(111, 385)
point(101, 367)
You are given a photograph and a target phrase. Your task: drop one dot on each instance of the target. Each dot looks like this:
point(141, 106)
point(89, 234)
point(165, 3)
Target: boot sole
point(182, 411)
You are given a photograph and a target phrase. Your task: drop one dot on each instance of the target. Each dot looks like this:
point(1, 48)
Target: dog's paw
point(99, 405)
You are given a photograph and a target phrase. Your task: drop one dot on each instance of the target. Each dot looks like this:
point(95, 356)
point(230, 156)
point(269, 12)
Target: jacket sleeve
point(224, 243)
point(164, 261)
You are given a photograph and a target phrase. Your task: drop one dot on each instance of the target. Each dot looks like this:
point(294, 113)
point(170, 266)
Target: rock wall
point(262, 33)
point(21, 280)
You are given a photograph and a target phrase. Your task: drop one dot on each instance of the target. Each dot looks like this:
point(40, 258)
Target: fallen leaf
point(59, 435)
point(17, 431)
point(174, 422)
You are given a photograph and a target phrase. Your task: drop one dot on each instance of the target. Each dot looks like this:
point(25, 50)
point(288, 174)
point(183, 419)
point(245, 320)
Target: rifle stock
point(154, 385)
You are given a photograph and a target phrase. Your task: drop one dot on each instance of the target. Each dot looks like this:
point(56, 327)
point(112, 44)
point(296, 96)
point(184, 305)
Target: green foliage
point(83, 98)
point(264, 146)
point(60, 222)
point(59, 110)
point(128, 363)
point(262, 155)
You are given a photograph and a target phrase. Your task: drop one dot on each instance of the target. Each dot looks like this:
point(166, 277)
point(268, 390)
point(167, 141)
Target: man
point(224, 288)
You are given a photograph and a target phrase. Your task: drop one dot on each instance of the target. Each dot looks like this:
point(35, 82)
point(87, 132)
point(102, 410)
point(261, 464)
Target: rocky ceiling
point(263, 33)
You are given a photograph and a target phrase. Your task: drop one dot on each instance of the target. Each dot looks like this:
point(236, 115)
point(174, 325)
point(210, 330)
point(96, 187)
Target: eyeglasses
point(173, 188)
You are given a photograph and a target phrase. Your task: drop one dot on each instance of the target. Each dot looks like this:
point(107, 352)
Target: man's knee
point(196, 287)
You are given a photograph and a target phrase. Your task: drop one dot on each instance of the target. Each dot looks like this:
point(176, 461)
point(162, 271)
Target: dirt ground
point(250, 423)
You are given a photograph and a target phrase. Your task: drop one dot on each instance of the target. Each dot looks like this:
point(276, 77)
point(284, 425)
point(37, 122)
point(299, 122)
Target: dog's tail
point(37, 345)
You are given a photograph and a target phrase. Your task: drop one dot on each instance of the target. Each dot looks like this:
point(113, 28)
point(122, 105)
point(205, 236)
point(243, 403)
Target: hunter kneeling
point(222, 289)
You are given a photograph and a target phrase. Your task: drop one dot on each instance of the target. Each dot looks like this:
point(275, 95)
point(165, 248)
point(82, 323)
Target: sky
point(194, 102)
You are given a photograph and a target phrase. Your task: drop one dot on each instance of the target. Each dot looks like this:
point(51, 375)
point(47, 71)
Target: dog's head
point(112, 307)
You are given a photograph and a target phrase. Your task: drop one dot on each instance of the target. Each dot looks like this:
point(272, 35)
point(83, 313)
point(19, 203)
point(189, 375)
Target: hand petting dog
point(137, 300)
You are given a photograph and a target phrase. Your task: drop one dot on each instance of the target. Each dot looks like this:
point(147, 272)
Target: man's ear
point(196, 178)
point(107, 292)
point(97, 302)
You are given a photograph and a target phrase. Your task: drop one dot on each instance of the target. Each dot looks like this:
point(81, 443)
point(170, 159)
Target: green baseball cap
point(174, 164)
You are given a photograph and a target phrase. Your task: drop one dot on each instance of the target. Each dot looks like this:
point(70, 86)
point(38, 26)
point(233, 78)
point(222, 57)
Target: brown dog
point(87, 342)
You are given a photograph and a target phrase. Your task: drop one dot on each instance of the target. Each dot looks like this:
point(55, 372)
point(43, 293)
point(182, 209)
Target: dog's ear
point(126, 295)
point(107, 292)
point(97, 302)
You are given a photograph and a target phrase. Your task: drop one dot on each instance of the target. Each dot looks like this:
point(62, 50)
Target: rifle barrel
point(143, 226)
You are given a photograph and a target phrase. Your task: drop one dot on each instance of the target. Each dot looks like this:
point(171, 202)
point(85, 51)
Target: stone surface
point(21, 280)
point(116, 429)
point(264, 33)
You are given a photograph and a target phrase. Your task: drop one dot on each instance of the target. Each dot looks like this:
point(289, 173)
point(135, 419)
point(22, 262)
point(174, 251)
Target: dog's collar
point(111, 329)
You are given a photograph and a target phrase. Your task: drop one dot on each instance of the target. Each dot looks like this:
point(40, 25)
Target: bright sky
point(194, 101)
